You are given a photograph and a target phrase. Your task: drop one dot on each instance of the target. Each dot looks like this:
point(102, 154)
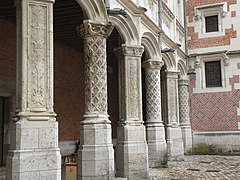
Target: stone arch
point(94, 10)
point(151, 46)
point(126, 28)
point(169, 60)
point(182, 68)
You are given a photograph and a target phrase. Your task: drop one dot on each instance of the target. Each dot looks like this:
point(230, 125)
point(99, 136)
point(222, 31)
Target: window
point(213, 74)
point(211, 23)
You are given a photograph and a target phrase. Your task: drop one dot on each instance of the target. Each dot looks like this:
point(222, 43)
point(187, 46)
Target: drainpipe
point(185, 26)
point(160, 21)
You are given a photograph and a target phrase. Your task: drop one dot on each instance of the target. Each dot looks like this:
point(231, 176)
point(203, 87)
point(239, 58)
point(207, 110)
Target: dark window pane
point(213, 74)
point(211, 23)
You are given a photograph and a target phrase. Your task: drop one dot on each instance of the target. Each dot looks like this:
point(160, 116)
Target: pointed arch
point(151, 46)
point(94, 10)
point(126, 28)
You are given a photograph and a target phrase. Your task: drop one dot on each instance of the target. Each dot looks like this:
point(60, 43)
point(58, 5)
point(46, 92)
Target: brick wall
point(194, 41)
point(7, 48)
point(216, 111)
point(69, 91)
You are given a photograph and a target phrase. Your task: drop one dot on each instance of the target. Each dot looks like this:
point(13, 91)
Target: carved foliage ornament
point(89, 28)
point(135, 51)
point(38, 55)
point(153, 64)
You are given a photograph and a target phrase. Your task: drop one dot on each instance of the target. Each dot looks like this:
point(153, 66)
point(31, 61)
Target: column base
point(36, 164)
point(96, 154)
point(131, 152)
point(187, 138)
point(175, 150)
point(34, 152)
point(157, 147)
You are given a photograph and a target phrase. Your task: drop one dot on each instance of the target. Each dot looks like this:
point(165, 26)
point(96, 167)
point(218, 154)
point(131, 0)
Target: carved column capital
point(91, 28)
point(172, 74)
point(153, 64)
point(125, 50)
point(183, 82)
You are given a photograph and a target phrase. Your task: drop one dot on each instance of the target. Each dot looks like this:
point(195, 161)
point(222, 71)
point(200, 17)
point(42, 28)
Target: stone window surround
point(210, 10)
point(199, 65)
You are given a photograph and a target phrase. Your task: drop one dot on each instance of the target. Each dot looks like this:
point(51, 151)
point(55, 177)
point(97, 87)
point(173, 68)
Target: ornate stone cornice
point(90, 28)
point(153, 64)
point(180, 27)
point(168, 11)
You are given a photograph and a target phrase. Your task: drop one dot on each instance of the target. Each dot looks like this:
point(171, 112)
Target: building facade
point(213, 42)
point(110, 74)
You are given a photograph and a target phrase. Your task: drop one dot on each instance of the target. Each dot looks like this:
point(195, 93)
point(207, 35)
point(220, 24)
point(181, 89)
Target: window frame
point(199, 65)
point(210, 20)
point(201, 12)
point(207, 75)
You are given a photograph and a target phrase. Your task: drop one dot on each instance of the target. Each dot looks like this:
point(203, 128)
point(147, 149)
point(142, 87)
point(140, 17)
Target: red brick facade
point(196, 42)
point(7, 48)
point(216, 111)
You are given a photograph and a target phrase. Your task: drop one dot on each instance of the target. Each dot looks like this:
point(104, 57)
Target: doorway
point(4, 109)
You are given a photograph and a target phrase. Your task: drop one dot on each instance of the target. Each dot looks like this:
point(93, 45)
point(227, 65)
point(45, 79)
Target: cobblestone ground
point(200, 167)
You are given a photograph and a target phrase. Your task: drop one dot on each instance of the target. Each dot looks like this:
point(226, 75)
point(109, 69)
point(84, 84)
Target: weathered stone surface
point(95, 155)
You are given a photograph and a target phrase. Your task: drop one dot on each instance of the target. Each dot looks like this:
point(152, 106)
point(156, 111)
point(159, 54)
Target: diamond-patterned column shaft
point(95, 35)
point(183, 102)
point(153, 91)
point(154, 125)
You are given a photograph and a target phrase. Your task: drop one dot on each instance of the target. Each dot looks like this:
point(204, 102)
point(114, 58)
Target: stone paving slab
point(198, 168)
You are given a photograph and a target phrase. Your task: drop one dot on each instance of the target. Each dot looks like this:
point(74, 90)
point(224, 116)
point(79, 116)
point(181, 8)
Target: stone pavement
point(200, 167)
point(192, 168)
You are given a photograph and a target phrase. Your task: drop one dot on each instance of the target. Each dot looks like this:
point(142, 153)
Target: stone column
point(154, 125)
point(34, 152)
point(131, 150)
point(184, 114)
point(174, 133)
point(96, 155)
